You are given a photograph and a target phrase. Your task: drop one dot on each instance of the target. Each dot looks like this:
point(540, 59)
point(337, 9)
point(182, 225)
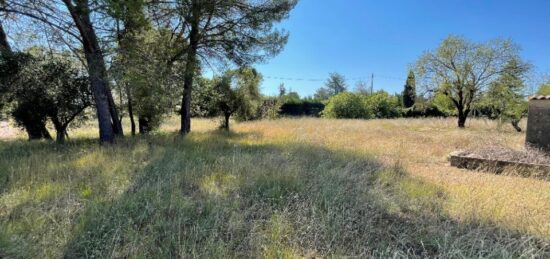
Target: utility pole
point(372, 84)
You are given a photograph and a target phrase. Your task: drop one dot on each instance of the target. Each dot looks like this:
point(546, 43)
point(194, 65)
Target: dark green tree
point(48, 87)
point(409, 93)
point(336, 83)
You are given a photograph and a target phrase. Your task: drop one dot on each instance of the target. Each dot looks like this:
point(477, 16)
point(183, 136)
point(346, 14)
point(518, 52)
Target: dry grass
point(495, 152)
point(422, 147)
point(283, 188)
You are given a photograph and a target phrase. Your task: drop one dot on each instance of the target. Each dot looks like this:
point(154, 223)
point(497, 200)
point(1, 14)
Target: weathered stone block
point(538, 124)
point(469, 161)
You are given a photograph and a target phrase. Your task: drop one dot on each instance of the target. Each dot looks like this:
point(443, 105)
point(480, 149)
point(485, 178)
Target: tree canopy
point(462, 70)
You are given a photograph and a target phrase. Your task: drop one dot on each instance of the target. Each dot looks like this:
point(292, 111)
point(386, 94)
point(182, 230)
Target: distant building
point(538, 124)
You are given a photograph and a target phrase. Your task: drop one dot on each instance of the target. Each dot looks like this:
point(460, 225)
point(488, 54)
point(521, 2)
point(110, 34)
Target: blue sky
point(359, 37)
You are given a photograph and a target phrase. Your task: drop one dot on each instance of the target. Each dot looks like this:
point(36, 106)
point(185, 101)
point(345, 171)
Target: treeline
point(142, 59)
point(460, 78)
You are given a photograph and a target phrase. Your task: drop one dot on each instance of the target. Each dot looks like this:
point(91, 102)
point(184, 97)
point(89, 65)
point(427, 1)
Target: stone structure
point(538, 124)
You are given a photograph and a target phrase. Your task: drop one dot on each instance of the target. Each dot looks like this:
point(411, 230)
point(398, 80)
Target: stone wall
point(538, 124)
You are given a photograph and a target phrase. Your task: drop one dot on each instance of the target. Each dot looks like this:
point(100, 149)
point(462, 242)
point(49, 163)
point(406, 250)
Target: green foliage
point(379, 105)
point(383, 105)
point(544, 89)
point(347, 105)
point(270, 108)
point(504, 99)
point(443, 103)
point(409, 93)
point(291, 97)
point(145, 78)
point(304, 108)
point(237, 93)
point(203, 102)
point(335, 84)
point(46, 86)
point(462, 70)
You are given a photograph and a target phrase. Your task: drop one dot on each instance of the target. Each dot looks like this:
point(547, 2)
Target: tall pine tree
point(409, 93)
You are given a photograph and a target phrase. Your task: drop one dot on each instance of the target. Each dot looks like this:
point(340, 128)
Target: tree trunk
point(515, 124)
point(225, 124)
point(109, 123)
point(60, 129)
point(131, 110)
point(144, 126)
point(462, 115)
point(37, 131)
point(4, 44)
point(60, 136)
point(99, 90)
point(190, 67)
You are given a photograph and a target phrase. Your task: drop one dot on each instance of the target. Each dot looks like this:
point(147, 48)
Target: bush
point(269, 109)
point(383, 105)
point(304, 108)
point(347, 105)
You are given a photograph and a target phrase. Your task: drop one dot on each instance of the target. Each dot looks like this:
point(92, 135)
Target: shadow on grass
point(220, 195)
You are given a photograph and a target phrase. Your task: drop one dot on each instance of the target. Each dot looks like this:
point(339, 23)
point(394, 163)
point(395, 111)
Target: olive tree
point(73, 22)
point(462, 70)
point(47, 87)
point(237, 92)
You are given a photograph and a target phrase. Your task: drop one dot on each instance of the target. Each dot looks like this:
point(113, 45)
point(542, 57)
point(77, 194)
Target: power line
point(324, 79)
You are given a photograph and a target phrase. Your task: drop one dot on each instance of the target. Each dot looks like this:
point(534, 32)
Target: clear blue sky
point(360, 37)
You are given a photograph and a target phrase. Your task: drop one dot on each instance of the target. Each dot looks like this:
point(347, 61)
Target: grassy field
point(283, 188)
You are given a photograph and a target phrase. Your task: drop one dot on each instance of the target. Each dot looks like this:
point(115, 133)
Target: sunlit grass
point(277, 189)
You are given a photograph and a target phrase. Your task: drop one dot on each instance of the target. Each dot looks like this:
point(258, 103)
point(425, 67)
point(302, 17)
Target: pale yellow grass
point(422, 147)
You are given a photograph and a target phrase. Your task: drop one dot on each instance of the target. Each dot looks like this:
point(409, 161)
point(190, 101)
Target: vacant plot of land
point(282, 188)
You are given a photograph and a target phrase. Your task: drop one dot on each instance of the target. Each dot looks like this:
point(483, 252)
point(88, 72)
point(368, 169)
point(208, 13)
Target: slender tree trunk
point(131, 110)
point(225, 125)
point(515, 124)
point(190, 68)
point(109, 123)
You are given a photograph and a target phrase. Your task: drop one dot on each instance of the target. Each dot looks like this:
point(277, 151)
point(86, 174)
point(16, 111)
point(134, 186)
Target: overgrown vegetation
point(379, 105)
point(268, 189)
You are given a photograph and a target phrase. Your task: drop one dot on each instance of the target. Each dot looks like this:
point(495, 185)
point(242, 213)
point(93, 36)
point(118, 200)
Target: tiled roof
point(540, 97)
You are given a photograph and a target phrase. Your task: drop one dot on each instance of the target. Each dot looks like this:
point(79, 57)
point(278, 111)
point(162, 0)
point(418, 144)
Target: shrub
point(269, 109)
point(347, 105)
point(304, 108)
point(383, 105)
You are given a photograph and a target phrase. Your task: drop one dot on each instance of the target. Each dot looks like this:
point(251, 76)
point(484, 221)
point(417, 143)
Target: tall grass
point(283, 188)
